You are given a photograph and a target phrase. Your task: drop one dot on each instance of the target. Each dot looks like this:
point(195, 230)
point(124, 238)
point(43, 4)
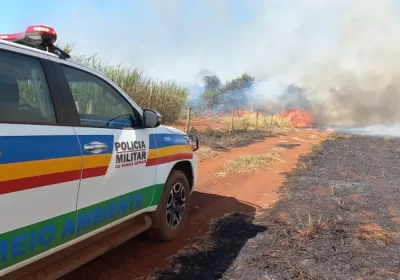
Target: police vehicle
point(78, 156)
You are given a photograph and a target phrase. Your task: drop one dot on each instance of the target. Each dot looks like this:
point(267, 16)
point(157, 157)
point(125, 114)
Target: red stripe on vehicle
point(38, 181)
point(49, 179)
point(94, 172)
point(171, 158)
point(151, 162)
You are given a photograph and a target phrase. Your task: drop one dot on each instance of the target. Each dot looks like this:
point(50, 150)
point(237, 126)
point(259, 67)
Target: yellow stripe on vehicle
point(167, 151)
point(12, 171)
point(91, 161)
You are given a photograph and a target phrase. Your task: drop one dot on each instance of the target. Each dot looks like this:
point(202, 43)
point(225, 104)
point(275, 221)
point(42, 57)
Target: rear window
point(24, 93)
point(99, 104)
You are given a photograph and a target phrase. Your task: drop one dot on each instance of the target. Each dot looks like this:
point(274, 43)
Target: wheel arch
point(187, 169)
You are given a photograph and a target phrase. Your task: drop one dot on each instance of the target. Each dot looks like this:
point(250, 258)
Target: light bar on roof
point(34, 35)
point(38, 36)
point(13, 37)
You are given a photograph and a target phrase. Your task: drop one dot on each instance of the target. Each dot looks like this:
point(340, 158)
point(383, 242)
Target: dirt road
point(215, 196)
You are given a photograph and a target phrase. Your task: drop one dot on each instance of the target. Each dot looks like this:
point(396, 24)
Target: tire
point(163, 229)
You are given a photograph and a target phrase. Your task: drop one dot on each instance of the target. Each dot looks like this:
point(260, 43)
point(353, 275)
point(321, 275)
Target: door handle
point(95, 147)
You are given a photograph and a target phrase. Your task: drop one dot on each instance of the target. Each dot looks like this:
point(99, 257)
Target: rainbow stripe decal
point(28, 162)
point(165, 148)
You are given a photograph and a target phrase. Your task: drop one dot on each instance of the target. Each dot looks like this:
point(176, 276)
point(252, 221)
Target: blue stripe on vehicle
point(167, 139)
point(106, 139)
point(37, 147)
point(152, 141)
point(40, 147)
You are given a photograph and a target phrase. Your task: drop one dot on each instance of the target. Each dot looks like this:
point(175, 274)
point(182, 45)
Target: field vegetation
point(165, 97)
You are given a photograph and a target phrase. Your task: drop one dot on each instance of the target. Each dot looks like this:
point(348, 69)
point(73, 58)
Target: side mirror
point(194, 142)
point(151, 118)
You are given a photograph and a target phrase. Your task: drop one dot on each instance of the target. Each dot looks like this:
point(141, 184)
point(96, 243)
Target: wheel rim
point(176, 205)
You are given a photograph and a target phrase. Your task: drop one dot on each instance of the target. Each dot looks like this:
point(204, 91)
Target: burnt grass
point(221, 140)
point(338, 218)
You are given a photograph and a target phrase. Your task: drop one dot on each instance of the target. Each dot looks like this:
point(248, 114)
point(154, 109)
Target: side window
point(99, 104)
point(24, 93)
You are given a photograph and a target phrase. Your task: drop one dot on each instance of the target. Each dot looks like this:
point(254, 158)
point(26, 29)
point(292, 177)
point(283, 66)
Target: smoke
point(359, 84)
point(392, 130)
point(342, 55)
point(356, 80)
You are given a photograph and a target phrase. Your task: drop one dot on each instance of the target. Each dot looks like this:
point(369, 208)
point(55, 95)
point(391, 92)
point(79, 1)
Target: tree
point(232, 95)
point(212, 83)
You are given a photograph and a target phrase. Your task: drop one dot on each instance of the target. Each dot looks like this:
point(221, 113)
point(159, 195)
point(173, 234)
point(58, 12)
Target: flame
point(298, 118)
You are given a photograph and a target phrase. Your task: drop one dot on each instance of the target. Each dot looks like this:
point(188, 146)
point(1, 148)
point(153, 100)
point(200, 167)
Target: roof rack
point(39, 37)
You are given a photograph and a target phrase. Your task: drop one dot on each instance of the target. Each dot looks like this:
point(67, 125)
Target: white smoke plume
point(359, 83)
point(351, 77)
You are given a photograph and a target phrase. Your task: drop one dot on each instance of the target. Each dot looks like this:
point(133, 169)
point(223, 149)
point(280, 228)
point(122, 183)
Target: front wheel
point(172, 212)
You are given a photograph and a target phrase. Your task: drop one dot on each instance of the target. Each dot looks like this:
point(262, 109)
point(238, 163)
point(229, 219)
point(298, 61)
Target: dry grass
point(253, 163)
point(205, 152)
point(315, 150)
point(388, 273)
point(221, 174)
point(375, 232)
point(311, 227)
point(300, 139)
point(338, 136)
point(396, 151)
point(312, 136)
point(301, 166)
point(250, 122)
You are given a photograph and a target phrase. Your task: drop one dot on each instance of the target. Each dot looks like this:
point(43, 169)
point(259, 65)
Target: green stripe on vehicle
point(158, 189)
point(23, 243)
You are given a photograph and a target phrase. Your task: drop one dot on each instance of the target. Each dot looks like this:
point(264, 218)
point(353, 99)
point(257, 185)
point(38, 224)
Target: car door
point(40, 161)
point(116, 182)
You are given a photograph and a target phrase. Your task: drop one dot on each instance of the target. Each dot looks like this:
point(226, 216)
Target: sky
point(151, 35)
point(176, 39)
point(345, 53)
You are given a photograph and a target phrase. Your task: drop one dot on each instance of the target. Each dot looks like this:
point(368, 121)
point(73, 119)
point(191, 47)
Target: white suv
point(78, 156)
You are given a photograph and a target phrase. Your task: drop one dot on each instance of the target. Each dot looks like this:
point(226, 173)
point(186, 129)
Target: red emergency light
point(13, 37)
point(34, 35)
point(38, 36)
